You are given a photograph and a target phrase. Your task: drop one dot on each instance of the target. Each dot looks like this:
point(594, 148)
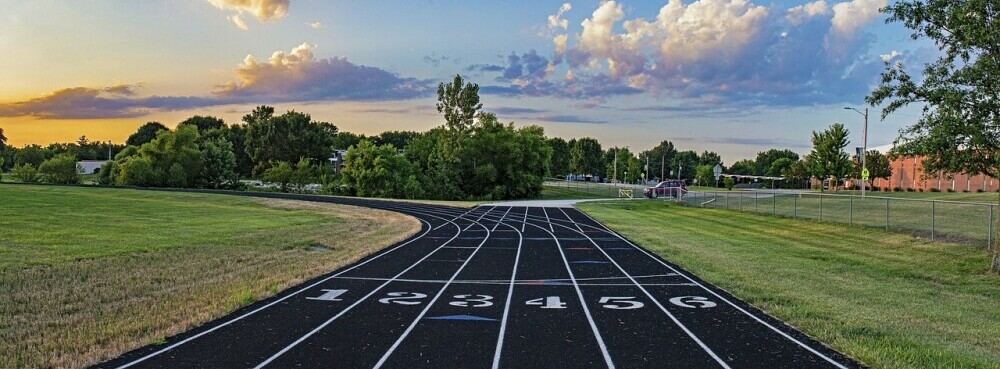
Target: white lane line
point(547, 220)
point(356, 303)
point(518, 281)
point(213, 329)
point(456, 218)
point(761, 321)
point(478, 219)
point(655, 301)
point(501, 220)
point(510, 295)
point(583, 302)
point(431, 303)
point(525, 221)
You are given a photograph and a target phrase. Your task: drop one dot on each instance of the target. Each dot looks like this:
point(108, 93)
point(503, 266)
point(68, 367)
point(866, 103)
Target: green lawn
point(889, 300)
point(89, 273)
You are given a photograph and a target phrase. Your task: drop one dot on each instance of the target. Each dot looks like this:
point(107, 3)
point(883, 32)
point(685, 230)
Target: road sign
point(865, 174)
point(717, 171)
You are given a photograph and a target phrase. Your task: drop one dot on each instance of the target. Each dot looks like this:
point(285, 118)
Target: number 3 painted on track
point(476, 301)
point(686, 301)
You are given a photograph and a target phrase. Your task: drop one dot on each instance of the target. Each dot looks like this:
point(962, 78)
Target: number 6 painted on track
point(686, 301)
point(620, 303)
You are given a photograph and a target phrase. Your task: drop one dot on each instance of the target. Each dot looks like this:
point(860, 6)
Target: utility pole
point(663, 166)
point(614, 175)
point(864, 150)
point(647, 169)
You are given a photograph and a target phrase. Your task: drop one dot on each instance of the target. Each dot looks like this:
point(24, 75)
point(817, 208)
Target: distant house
point(89, 166)
point(337, 160)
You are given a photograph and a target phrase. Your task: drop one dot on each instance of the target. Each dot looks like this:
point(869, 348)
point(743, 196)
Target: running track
point(495, 287)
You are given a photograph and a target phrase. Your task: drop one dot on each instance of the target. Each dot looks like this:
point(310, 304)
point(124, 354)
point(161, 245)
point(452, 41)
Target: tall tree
point(661, 159)
point(828, 159)
point(237, 136)
point(398, 139)
point(560, 157)
point(344, 140)
point(959, 128)
point(218, 161)
point(145, 133)
point(379, 171)
point(586, 157)
point(3, 140)
point(743, 167)
point(685, 165)
point(459, 102)
point(766, 158)
point(287, 137)
point(205, 123)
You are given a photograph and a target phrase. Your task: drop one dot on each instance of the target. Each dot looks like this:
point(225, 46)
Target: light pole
point(864, 149)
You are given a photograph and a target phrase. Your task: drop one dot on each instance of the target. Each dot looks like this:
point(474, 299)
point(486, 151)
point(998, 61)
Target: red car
point(666, 188)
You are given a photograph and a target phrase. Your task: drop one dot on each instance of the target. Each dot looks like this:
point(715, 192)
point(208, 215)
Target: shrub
point(935, 190)
point(897, 189)
point(61, 169)
point(951, 190)
point(106, 175)
point(980, 190)
point(909, 189)
point(280, 174)
point(729, 183)
point(135, 171)
point(24, 172)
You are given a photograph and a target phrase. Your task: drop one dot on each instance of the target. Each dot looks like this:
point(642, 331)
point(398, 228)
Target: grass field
point(889, 300)
point(88, 273)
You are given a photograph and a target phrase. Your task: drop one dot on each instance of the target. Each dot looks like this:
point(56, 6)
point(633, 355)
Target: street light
point(864, 150)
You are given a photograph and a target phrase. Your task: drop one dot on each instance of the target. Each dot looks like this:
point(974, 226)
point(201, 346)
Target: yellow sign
point(865, 174)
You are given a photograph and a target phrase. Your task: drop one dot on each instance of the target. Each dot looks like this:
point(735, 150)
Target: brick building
point(908, 172)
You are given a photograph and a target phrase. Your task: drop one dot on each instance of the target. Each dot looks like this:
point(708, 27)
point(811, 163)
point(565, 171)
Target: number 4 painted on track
point(329, 295)
point(551, 302)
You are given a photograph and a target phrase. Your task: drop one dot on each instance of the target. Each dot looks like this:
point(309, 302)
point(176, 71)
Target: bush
point(24, 172)
point(909, 189)
point(980, 190)
point(106, 175)
point(61, 169)
point(935, 190)
point(729, 183)
point(280, 174)
point(897, 189)
point(135, 171)
point(951, 190)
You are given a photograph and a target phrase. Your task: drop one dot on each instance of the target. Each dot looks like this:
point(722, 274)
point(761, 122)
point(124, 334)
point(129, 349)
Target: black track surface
point(492, 287)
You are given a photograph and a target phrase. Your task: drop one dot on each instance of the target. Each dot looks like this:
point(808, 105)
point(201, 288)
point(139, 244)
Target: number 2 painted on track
point(620, 303)
point(403, 298)
point(551, 302)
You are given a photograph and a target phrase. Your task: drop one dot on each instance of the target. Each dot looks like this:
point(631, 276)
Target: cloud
point(295, 76)
point(238, 21)
point(435, 60)
point(299, 76)
point(263, 10)
point(801, 13)
point(92, 103)
point(712, 52)
point(556, 21)
point(850, 16)
point(524, 67)
point(315, 25)
point(888, 57)
point(515, 111)
point(568, 119)
point(484, 68)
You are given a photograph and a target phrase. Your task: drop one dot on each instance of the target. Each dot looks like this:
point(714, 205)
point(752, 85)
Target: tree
point(879, 165)
point(586, 157)
point(204, 124)
point(344, 140)
point(765, 159)
point(237, 135)
point(145, 133)
point(729, 182)
point(280, 173)
point(61, 169)
point(218, 162)
point(172, 159)
point(379, 171)
point(458, 103)
point(3, 140)
point(25, 173)
point(705, 175)
point(398, 139)
point(709, 158)
point(31, 154)
point(287, 137)
point(778, 168)
point(661, 159)
point(828, 159)
point(686, 163)
point(559, 165)
point(743, 167)
point(797, 174)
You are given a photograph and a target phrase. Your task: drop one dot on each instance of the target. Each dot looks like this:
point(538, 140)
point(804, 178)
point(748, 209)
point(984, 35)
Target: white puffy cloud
point(315, 25)
point(888, 57)
point(263, 10)
point(556, 21)
point(299, 76)
point(559, 47)
point(850, 16)
point(801, 13)
point(238, 21)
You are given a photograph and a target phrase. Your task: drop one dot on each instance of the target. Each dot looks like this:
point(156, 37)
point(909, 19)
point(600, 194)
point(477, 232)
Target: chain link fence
point(950, 221)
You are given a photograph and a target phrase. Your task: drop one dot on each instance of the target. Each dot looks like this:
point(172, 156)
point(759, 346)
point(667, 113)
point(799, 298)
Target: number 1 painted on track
point(551, 302)
point(329, 295)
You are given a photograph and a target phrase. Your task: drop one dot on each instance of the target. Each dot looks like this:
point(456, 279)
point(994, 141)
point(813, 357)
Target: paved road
point(496, 287)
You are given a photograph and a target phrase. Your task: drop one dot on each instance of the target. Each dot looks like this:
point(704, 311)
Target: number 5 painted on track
point(620, 303)
point(687, 301)
point(402, 298)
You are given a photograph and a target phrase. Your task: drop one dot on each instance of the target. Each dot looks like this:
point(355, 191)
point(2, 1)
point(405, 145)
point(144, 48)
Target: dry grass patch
point(72, 313)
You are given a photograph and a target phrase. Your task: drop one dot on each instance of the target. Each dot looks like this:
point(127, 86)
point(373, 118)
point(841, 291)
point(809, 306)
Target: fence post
point(934, 217)
point(989, 239)
point(727, 200)
point(886, 214)
point(821, 207)
point(774, 204)
point(795, 206)
point(851, 215)
point(755, 207)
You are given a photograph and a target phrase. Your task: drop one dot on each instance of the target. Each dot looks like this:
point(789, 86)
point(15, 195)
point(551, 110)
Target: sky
point(731, 76)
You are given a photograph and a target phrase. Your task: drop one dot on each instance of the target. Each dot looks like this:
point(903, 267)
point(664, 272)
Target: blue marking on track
point(618, 248)
point(589, 262)
point(462, 317)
